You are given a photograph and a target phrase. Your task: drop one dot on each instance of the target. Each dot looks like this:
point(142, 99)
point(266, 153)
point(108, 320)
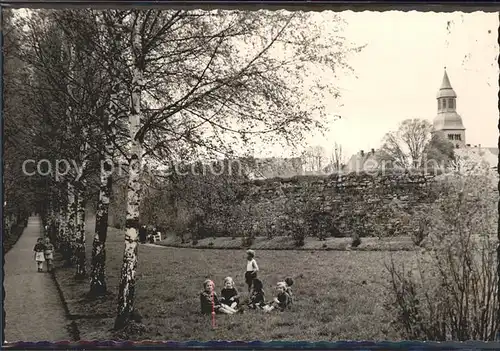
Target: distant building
point(362, 161)
point(478, 154)
point(447, 121)
point(450, 124)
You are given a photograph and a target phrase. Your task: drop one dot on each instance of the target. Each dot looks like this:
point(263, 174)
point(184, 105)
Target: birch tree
point(17, 133)
point(67, 96)
point(92, 33)
point(81, 262)
point(126, 290)
point(337, 158)
point(201, 83)
point(210, 82)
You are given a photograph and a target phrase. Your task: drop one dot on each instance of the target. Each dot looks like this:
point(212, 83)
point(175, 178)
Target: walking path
point(33, 308)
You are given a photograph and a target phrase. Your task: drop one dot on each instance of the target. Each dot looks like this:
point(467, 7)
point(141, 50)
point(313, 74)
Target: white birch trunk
point(62, 237)
point(79, 253)
point(98, 285)
point(51, 218)
point(126, 292)
point(70, 224)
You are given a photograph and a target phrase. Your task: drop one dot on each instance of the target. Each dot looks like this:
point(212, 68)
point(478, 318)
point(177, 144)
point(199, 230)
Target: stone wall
point(363, 204)
point(369, 205)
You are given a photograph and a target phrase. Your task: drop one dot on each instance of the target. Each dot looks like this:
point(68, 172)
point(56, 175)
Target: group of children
point(229, 300)
point(44, 252)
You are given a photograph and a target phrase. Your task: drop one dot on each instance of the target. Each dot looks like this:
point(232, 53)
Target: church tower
point(448, 121)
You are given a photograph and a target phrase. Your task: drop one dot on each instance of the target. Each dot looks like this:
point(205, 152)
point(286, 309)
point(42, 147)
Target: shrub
point(294, 226)
point(213, 195)
point(247, 240)
point(422, 228)
point(296, 221)
point(321, 224)
point(356, 240)
point(452, 294)
point(198, 227)
point(299, 236)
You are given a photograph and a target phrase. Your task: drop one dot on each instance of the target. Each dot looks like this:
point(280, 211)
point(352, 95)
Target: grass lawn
point(339, 295)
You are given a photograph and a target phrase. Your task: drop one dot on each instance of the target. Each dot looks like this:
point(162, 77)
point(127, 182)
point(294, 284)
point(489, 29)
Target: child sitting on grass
point(210, 301)
point(281, 301)
point(229, 294)
point(257, 296)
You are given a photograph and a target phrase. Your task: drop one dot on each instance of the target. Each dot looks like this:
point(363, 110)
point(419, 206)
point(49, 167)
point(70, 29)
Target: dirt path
point(33, 308)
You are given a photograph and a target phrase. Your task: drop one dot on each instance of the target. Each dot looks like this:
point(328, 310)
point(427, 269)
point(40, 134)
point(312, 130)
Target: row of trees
point(412, 144)
point(317, 159)
point(102, 88)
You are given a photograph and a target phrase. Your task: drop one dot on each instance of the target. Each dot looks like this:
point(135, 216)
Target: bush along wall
point(339, 205)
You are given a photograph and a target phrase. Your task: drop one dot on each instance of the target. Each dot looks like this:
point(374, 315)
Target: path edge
point(73, 326)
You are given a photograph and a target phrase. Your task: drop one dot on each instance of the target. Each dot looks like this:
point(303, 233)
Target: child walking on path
point(39, 254)
point(252, 269)
point(49, 254)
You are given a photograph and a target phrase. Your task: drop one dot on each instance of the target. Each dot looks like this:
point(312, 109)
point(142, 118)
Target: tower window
point(444, 103)
point(450, 136)
point(458, 137)
point(451, 103)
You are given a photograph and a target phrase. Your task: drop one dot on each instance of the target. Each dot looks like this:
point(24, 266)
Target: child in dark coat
point(39, 254)
point(281, 301)
point(210, 301)
point(257, 296)
point(229, 294)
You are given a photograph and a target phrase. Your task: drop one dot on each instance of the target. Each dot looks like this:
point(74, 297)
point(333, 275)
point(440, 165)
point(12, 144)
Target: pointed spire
point(446, 90)
point(446, 81)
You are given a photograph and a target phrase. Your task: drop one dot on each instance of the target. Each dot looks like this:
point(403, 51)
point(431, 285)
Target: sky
point(400, 71)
